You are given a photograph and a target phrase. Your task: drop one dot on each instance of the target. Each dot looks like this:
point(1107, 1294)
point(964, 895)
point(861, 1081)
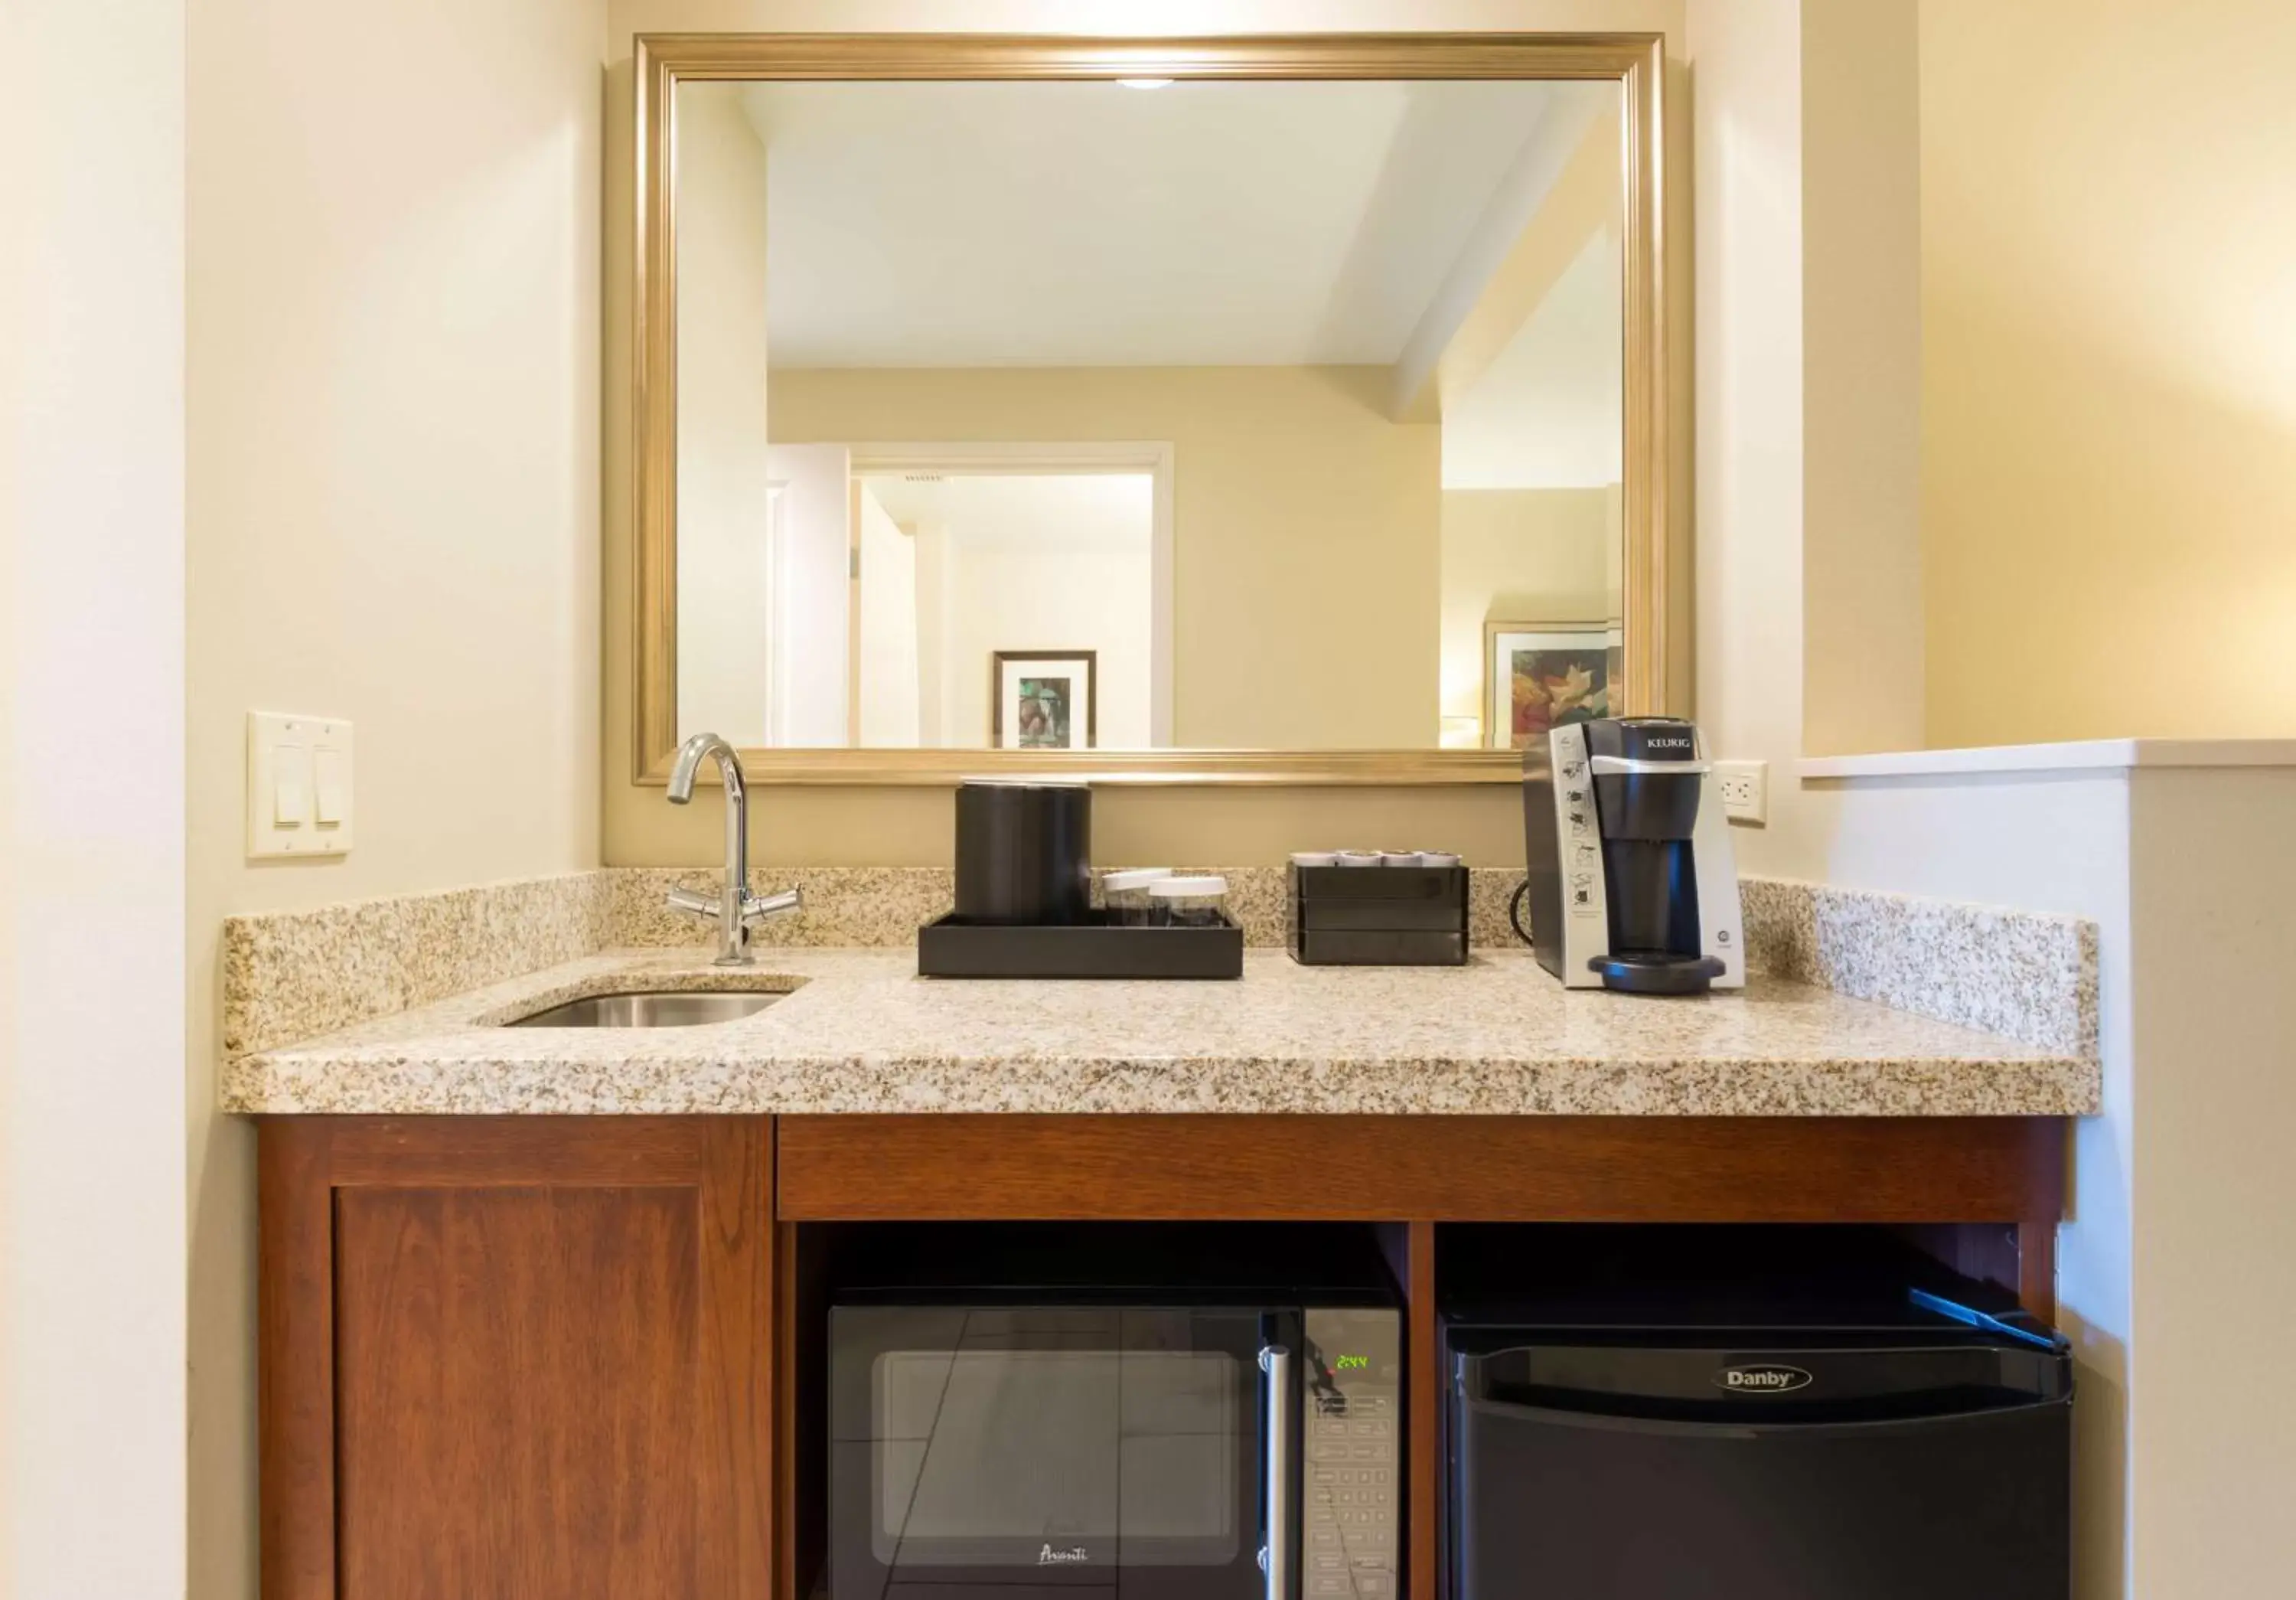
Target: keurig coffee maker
point(1631, 884)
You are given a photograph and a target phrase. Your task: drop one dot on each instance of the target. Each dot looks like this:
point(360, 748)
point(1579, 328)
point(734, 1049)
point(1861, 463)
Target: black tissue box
point(1379, 915)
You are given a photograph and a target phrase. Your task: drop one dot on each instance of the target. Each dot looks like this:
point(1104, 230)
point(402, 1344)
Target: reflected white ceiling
point(1085, 224)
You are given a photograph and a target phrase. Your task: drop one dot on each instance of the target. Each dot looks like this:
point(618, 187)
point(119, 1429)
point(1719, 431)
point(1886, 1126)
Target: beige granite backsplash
point(294, 975)
point(844, 905)
point(864, 906)
point(2024, 975)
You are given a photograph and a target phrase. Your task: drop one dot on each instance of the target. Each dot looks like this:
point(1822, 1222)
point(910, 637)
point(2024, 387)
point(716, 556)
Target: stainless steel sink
point(650, 1009)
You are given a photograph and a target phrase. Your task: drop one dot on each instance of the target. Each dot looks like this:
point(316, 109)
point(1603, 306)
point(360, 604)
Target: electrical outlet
point(1745, 790)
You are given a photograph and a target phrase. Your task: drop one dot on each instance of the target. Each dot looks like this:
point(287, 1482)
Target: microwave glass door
point(1110, 1450)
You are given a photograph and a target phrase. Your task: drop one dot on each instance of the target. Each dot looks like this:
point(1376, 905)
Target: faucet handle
point(693, 902)
point(756, 908)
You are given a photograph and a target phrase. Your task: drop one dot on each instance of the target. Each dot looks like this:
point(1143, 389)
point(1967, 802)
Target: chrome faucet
point(735, 908)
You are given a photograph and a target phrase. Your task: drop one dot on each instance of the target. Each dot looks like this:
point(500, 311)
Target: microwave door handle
point(1275, 1555)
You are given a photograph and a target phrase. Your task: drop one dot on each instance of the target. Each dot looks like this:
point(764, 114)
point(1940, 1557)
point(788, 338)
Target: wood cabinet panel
point(526, 1357)
point(1421, 1169)
point(295, 1339)
point(514, 1391)
point(478, 1152)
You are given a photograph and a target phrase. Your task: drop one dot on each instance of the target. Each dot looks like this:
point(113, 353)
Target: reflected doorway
point(904, 584)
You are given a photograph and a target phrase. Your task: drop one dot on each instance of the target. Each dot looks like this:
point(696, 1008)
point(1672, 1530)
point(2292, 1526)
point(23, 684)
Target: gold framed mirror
point(1100, 283)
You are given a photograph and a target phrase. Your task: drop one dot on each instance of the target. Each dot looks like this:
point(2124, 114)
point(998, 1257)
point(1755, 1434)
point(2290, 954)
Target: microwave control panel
point(1351, 1455)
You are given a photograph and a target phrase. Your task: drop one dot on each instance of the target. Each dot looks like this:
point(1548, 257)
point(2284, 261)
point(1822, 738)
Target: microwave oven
point(1138, 1417)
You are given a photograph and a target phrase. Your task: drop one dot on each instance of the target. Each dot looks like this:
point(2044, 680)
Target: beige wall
point(724, 477)
point(1748, 184)
point(2108, 371)
point(1520, 556)
point(1076, 578)
point(1809, 607)
point(891, 677)
point(913, 826)
point(92, 1186)
point(2055, 840)
point(2170, 1262)
point(393, 510)
point(625, 18)
point(1305, 525)
point(2213, 875)
point(1017, 599)
point(1861, 603)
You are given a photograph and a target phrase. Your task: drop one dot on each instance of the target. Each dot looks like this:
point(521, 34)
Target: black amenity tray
point(1379, 915)
point(955, 947)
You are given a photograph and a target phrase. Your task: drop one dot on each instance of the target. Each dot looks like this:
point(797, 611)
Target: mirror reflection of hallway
point(1297, 407)
point(956, 569)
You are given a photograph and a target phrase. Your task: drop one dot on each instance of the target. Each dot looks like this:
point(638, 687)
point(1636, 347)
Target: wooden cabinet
point(1985, 1192)
point(556, 1358)
point(1876, 1170)
point(517, 1356)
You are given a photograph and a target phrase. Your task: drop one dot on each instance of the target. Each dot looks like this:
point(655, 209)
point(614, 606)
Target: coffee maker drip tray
point(1656, 973)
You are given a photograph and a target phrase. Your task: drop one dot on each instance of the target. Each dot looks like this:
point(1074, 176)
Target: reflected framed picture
point(1538, 676)
point(1042, 700)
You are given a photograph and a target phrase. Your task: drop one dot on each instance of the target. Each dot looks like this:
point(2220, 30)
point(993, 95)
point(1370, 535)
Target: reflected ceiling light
point(1145, 83)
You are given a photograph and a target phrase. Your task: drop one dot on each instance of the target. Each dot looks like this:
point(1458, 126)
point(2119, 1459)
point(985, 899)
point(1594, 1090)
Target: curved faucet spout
point(690, 757)
point(736, 909)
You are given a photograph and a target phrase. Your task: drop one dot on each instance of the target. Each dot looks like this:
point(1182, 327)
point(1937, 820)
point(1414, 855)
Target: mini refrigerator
point(1838, 1437)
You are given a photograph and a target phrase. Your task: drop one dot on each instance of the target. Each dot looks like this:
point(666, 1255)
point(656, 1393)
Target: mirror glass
point(1251, 415)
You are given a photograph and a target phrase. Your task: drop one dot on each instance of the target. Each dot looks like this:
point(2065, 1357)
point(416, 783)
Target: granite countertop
point(859, 1031)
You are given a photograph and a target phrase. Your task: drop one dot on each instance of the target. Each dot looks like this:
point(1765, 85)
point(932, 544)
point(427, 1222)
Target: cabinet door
point(516, 1357)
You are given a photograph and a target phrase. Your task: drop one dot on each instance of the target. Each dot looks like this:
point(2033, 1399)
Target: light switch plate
point(299, 786)
point(1745, 787)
